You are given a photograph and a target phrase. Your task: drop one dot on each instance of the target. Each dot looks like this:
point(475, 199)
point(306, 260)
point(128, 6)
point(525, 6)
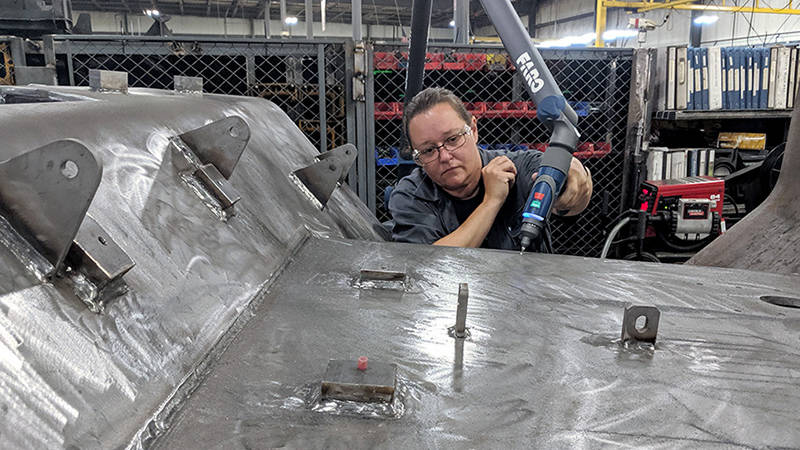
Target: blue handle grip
point(541, 197)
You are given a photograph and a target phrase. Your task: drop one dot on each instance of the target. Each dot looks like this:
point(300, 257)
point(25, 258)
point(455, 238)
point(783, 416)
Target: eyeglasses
point(450, 144)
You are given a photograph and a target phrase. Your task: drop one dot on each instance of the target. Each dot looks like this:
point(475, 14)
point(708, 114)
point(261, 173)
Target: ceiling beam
point(234, 5)
point(260, 9)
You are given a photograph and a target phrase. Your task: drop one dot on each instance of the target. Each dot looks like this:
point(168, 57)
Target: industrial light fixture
point(290, 20)
point(705, 20)
point(582, 40)
point(151, 13)
point(610, 35)
point(452, 24)
point(322, 7)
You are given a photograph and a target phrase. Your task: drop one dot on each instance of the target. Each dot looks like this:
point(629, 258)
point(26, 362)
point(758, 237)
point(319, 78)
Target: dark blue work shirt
point(423, 213)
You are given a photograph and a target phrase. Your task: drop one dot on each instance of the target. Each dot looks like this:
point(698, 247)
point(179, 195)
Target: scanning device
point(552, 110)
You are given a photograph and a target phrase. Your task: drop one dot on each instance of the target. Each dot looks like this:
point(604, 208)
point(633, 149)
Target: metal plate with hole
point(96, 254)
point(45, 193)
point(323, 176)
point(640, 323)
point(220, 143)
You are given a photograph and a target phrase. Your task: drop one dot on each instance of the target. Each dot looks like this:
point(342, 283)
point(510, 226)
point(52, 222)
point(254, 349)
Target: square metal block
point(343, 381)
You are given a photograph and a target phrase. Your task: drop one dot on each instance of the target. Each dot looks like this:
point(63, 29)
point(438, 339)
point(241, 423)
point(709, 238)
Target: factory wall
point(107, 22)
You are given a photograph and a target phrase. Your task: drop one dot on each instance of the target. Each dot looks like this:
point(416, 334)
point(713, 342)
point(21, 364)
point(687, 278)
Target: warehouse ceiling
point(374, 12)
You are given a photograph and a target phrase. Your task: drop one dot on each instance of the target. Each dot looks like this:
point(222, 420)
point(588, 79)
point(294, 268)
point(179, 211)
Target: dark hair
point(427, 99)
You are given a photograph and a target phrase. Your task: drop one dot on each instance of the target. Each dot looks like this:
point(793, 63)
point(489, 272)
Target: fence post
point(250, 67)
point(350, 112)
point(321, 82)
point(70, 69)
point(370, 126)
point(640, 111)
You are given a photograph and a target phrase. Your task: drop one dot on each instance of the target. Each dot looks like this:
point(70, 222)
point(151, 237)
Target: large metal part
point(72, 378)
point(768, 238)
point(224, 335)
point(544, 366)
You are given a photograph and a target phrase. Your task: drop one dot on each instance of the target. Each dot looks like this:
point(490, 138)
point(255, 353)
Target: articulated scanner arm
point(552, 110)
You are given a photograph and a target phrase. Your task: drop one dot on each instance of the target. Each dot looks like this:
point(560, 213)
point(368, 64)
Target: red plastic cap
point(362, 363)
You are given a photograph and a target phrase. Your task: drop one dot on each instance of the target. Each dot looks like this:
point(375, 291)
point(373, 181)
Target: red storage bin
point(453, 61)
point(464, 61)
point(474, 61)
point(541, 146)
point(531, 111)
point(496, 110)
point(477, 109)
point(585, 150)
point(601, 149)
point(385, 61)
point(433, 61)
point(386, 111)
point(594, 150)
point(517, 109)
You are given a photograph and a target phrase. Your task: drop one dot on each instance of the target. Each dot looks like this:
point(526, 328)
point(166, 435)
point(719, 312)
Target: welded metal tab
point(44, 196)
point(108, 81)
point(343, 380)
point(220, 143)
point(206, 157)
point(645, 333)
point(96, 254)
point(328, 172)
point(188, 85)
point(218, 185)
point(460, 330)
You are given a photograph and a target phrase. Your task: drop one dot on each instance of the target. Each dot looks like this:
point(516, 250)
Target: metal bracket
point(44, 196)
point(206, 157)
point(648, 331)
point(328, 172)
point(97, 255)
point(188, 85)
point(359, 71)
point(108, 81)
point(460, 330)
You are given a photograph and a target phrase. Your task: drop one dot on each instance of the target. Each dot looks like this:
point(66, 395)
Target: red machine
point(682, 214)
point(690, 205)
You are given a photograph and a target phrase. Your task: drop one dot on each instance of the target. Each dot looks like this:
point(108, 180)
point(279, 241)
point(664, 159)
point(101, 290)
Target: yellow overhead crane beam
point(642, 6)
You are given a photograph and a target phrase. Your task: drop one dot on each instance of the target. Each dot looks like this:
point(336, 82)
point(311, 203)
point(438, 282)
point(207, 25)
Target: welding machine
point(683, 214)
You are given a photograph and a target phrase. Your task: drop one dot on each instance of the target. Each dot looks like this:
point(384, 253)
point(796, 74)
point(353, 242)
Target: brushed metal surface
point(71, 377)
point(543, 367)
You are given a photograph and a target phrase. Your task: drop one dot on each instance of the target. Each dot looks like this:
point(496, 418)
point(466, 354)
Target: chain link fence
point(595, 82)
point(308, 79)
point(305, 79)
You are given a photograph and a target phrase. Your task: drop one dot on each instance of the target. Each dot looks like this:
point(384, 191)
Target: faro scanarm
point(552, 110)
